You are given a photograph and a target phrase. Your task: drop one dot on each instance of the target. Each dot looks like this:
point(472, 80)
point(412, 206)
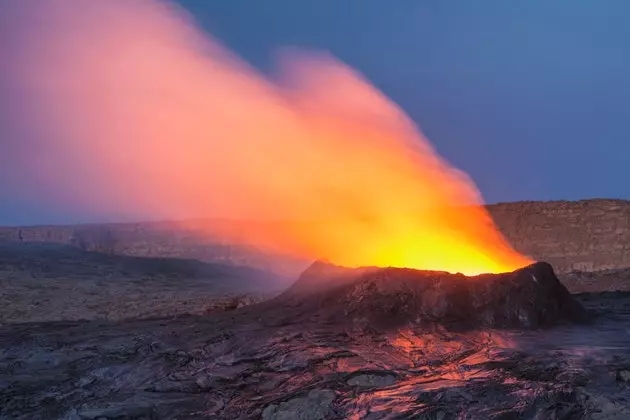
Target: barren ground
point(261, 361)
point(43, 282)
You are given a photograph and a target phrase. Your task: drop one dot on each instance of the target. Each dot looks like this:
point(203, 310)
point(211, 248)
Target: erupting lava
point(146, 116)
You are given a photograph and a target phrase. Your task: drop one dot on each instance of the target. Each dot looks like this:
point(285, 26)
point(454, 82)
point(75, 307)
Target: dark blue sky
point(531, 98)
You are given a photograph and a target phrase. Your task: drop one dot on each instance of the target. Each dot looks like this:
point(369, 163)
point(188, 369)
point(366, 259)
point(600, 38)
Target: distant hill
point(587, 235)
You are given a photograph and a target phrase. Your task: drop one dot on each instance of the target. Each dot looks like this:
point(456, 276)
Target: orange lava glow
point(147, 116)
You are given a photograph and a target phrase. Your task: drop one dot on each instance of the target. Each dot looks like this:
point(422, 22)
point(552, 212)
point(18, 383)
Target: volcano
point(529, 298)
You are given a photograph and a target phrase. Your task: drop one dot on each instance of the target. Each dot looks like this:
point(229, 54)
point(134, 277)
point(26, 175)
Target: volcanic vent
point(530, 297)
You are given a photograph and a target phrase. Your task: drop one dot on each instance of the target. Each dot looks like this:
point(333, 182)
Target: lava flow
point(143, 115)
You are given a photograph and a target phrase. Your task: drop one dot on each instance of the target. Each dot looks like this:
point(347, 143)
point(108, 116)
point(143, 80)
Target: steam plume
point(144, 114)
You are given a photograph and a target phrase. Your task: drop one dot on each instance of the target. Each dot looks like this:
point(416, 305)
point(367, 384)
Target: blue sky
point(531, 98)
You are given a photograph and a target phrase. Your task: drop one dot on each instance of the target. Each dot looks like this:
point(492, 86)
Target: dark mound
point(531, 297)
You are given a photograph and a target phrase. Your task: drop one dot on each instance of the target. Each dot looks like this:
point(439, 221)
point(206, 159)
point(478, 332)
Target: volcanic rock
point(529, 298)
point(299, 356)
point(314, 406)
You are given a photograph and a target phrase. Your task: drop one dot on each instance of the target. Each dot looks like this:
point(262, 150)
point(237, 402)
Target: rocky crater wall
point(588, 235)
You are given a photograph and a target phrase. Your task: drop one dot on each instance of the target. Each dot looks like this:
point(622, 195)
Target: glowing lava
point(143, 115)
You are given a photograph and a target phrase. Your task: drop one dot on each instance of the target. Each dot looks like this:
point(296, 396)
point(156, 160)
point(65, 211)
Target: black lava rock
point(528, 298)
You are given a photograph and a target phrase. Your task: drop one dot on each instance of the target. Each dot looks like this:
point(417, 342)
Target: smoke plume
point(139, 113)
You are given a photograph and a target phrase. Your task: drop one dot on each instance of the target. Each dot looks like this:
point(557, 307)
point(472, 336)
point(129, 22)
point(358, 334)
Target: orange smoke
point(143, 114)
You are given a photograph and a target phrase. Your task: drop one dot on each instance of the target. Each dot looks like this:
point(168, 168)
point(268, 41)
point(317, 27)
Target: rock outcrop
point(531, 297)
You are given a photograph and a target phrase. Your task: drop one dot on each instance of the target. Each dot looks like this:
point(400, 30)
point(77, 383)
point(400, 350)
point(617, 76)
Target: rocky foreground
point(291, 358)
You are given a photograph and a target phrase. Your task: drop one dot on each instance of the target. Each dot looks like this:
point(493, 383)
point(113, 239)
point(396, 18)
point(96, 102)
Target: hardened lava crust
point(340, 343)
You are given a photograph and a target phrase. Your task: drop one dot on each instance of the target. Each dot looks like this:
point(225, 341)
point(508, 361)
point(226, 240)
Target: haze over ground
point(529, 99)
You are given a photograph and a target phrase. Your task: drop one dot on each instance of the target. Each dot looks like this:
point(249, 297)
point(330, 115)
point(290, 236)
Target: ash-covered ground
point(53, 282)
point(281, 360)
